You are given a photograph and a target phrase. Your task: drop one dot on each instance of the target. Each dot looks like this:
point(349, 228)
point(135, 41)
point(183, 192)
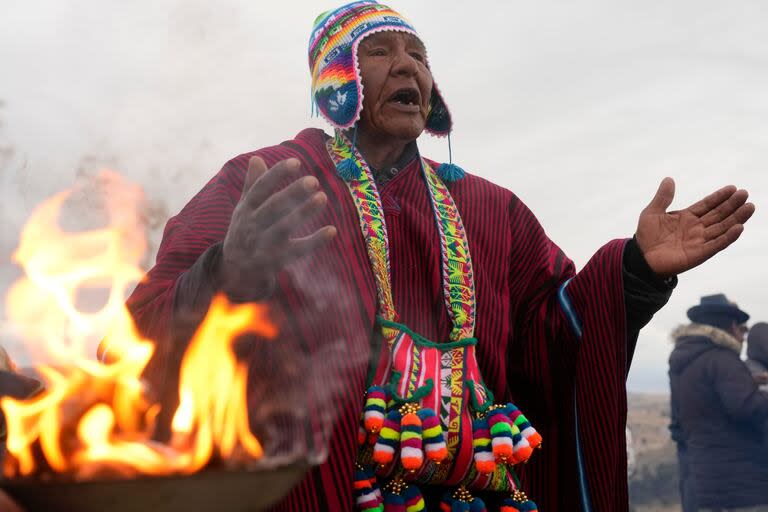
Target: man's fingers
point(725, 208)
point(740, 216)
point(256, 167)
point(299, 247)
point(281, 203)
point(281, 230)
point(745, 212)
point(663, 198)
point(265, 185)
point(712, 201)
point(716, 245)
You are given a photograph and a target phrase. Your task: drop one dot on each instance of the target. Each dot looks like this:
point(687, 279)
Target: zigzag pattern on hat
point(337, 90)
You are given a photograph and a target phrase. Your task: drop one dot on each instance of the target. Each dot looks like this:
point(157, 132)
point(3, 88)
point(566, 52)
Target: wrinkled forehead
point(391, 37)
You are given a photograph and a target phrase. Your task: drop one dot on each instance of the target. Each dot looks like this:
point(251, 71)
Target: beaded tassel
point(399, 496)
point(432, 434)
point(502, 432)
point(461, 501)
point(389, 437)
point(526, 429)
point(485, 461)
point(375, 408)
point(411, 451)
point(518, 502)
point(450, 171)
point(368, 496)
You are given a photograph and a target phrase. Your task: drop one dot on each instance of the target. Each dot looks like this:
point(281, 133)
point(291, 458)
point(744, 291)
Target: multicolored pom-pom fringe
point(389, 438)
point(411, 443)
point(432, 434)
point(485, 462)
point(375, 408)
point(368, 497)
point(415, 432)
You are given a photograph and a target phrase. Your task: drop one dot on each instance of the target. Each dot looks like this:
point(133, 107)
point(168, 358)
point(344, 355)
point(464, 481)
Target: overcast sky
point(580, 108)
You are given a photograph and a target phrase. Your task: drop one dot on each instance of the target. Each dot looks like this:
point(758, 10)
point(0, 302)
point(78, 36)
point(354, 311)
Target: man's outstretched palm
point(676, 241)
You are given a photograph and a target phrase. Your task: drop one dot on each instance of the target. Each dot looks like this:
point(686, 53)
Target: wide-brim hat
point(337, 90)
point(716, 305)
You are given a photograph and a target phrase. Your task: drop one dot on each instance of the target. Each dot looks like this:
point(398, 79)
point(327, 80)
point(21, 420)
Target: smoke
point(297, 393)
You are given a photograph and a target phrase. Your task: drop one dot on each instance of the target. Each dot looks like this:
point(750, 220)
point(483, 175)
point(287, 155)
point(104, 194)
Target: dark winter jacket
point(757, 350)
point(721, 417)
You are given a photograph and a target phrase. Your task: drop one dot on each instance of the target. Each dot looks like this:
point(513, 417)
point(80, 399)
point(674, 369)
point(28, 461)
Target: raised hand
point(258, 242)
point(676, 241)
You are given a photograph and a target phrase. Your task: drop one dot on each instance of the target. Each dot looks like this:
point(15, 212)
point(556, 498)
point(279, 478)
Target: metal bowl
point(210, 490)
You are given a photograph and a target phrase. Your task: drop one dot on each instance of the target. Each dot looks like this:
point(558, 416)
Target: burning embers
point(98, 420)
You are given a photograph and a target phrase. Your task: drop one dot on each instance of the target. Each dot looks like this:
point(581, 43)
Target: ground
point(653, 486)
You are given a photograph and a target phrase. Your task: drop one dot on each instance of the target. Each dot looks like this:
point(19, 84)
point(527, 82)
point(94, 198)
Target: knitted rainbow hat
point(337, 90)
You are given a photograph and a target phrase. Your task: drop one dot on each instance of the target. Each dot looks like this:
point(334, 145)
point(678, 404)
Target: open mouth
point(407, 96)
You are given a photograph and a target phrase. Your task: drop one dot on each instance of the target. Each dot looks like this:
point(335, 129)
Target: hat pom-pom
point(348, 169)
point(450, 172)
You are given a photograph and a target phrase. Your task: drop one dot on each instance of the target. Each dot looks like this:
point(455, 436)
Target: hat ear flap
point(439, 122)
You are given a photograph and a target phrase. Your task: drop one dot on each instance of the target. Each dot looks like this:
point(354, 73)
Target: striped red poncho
point(554, 352)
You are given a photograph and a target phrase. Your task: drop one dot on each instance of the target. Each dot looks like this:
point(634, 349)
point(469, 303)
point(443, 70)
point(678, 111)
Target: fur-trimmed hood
point(694, 339)
point(715, 335)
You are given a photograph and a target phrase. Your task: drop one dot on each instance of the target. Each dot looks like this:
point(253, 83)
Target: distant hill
point(653, 487)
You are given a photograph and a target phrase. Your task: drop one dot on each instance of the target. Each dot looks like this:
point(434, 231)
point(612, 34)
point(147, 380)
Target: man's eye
point(418, 56)
point(377, 52)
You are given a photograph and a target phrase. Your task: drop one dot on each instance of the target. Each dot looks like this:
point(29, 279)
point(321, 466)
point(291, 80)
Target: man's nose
point(404, 64)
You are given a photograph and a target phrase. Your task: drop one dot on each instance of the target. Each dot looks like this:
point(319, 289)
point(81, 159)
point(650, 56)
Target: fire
point(94, 418)
point(209, 373)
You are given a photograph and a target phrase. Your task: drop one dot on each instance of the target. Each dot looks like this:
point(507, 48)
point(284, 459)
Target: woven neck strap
point(458, 280)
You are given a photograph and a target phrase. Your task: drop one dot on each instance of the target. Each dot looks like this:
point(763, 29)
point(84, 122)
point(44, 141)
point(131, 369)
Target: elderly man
point(450, 310)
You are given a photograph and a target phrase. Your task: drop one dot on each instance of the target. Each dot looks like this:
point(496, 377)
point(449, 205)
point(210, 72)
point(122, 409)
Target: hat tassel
point(450, 171)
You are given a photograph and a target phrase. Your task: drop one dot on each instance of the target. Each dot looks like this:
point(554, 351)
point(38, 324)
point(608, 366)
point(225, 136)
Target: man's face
point(397, 85)
point(739, 330)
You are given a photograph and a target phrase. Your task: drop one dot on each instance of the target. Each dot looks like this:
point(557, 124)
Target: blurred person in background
point(719, 418)
point(757, 354)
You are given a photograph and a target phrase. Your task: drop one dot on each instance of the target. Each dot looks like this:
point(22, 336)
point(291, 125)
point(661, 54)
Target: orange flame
point(92, 415)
